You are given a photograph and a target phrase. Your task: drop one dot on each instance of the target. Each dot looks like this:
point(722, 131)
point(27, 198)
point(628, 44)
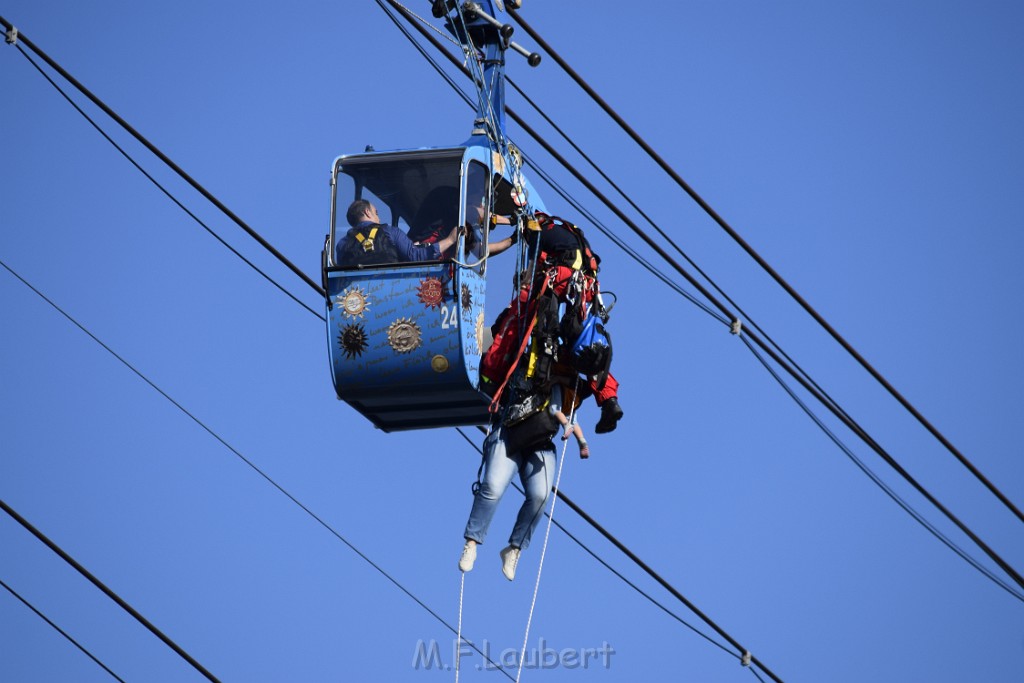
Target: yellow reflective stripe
point(373, 233)
point(578, 263)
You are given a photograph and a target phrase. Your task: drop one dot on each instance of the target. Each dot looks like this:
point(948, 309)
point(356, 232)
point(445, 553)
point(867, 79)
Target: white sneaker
point(509, 560)
point(468, 556)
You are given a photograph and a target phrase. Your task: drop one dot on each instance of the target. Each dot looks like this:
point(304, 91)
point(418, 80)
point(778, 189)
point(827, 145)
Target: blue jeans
point(536, 469)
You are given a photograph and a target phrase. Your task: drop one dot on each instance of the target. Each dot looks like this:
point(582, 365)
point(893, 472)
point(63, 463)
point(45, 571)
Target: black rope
point(918, 517)
point(109, 593)
point(61, 631)
point(764, 265)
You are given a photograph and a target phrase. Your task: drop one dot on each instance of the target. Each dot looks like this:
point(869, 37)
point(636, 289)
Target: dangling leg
point(537, 475)
point(497, 473)
point(608, 399)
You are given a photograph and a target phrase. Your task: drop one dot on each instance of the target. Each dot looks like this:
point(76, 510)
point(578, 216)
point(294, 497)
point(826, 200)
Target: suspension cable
point(109, 593)
point(766, 267)
point(918, 517)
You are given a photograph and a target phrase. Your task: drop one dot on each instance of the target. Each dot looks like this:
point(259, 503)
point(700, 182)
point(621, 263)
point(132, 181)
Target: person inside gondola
point(369, 242)
point(439, 211)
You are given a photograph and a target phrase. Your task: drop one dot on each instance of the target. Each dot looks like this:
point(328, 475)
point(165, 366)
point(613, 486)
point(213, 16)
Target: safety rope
point(547, 532)
point(458, 633)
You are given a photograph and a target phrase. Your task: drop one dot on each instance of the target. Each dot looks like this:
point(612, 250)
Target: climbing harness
point(367, 242)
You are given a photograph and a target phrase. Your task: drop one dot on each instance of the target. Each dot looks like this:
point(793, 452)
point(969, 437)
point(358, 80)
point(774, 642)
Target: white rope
point(458, 636)
point(547, 533)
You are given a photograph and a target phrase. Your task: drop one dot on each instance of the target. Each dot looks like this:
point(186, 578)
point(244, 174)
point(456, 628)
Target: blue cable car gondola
point(405, 339)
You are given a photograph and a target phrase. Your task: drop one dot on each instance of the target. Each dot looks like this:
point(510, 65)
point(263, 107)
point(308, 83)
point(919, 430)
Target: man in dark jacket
point(368, 242)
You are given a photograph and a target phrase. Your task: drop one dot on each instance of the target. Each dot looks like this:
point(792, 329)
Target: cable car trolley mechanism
point(405, 261)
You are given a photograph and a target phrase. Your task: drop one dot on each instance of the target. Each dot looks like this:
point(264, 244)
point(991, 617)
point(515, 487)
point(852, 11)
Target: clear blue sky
point(871, 152)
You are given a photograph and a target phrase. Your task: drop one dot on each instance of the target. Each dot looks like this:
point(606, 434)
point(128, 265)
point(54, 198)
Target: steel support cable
point(241, 457)
point(875, 446)
point(767, 268)
point(819, 395)
point(107, 591)
point(918, 517)
point(164, 190)
point(164, 158)
point(59, 630)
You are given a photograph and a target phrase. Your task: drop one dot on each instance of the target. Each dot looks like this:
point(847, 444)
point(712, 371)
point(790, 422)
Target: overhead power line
point(107, 591)
point(764, 265)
